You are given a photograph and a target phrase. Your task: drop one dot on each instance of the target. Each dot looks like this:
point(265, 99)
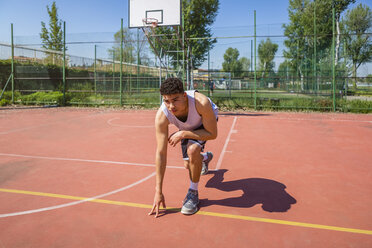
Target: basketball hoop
point(153, 22)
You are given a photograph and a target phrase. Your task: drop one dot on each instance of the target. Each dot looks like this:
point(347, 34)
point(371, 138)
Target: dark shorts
point(186, 142)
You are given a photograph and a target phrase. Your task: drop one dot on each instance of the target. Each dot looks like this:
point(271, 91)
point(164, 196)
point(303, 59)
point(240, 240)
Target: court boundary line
point(219, 162)
point(205, 213)
point(85, 160)
point(81, 199)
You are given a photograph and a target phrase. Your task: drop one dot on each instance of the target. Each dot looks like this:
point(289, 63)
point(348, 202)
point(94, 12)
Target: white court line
point(86, 160)
point(117, 125)
point(77, 202)
point(225, 146)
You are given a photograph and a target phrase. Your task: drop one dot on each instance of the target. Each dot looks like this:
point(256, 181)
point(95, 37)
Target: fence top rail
point(33, 49)
point(68, 55)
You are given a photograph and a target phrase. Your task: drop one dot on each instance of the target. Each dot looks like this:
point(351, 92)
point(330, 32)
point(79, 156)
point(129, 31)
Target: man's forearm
point(161, 161)
point(200, 134)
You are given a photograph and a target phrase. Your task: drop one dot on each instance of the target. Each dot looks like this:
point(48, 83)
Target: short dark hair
point(171, 86)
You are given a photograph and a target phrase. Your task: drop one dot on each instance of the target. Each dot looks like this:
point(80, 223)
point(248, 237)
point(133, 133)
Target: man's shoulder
point(201, 99)
point(161, 118)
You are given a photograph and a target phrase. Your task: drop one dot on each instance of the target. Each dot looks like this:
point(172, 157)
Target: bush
point(4, 102)
point(54, 97)
point(355, 106)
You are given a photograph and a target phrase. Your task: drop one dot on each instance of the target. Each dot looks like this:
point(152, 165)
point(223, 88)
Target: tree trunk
point(337, 41)
point(263, 74)
point(302, 80)
point(355, 76)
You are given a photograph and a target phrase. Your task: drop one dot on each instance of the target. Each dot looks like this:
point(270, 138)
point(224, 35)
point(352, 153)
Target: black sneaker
point(206, 162)
point(191, 202)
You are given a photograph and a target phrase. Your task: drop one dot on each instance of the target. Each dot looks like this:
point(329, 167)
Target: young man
point(195, 115)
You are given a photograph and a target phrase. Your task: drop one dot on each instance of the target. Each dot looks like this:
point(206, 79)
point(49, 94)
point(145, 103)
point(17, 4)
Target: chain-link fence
point(271, 71)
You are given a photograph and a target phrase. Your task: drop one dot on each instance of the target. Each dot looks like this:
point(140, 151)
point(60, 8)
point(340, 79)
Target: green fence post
point(113, 72)
point(183, 49)
point(138, 57)
point(255, 71)
point(64, 64)
point(12, 66)
point(333, 59)
point(315, 82)
point(251, 56)
point(95, 70)
point(297, 67)
point(121, 63)
point(209, 72)
point(346, 80)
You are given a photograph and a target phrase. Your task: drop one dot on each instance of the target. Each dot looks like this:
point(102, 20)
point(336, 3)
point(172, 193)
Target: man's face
point(176, 103)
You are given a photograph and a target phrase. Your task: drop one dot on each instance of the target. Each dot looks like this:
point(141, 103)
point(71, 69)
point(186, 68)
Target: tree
point(357, 23)
point(369, 79)
point(300, 40)
point(284, 73)
point(130, 48)
point(295, 31)
point(52, 38)
point(199, 15)
point(266, 54)
point(340, 6)
point(231, 62)
point(246, 63)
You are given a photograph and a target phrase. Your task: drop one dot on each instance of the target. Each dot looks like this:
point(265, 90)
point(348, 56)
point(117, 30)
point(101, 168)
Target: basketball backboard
point(166, 12)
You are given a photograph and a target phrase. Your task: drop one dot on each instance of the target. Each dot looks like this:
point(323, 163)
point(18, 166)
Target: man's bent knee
point(193, 151)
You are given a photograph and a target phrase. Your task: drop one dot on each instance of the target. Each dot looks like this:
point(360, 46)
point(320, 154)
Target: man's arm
point(204, 108)
point(161, 126)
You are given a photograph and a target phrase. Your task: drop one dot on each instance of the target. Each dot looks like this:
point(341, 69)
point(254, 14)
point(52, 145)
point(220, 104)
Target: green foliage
point(231, 62)
point(54, 97)
point(296, 104)
point(130, 48)
point(284, 70)
point(5, 71)
point(4, 102)
point(300, 31)
point(357, 23)
point(199, 15)
point(246, 63)
point(82, 94)
point(266, 55)
point(368, 78)
point(52, 38)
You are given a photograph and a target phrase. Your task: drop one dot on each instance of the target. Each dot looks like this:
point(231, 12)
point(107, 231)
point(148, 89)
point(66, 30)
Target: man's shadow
point(269, 193)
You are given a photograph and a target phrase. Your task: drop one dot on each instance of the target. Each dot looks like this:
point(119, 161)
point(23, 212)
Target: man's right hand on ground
point(158, 199)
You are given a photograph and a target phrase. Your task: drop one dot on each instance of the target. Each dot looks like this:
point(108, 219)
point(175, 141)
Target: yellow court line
point(229, 216)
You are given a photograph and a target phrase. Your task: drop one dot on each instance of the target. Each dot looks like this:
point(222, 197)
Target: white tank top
point(194, 120)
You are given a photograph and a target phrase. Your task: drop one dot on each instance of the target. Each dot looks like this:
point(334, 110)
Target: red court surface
point(73, 177)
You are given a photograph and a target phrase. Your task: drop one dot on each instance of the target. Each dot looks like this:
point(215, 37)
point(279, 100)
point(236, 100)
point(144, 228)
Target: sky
point(99, 20)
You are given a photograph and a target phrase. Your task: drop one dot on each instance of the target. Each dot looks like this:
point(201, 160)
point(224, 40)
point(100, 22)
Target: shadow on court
point(269, 193)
